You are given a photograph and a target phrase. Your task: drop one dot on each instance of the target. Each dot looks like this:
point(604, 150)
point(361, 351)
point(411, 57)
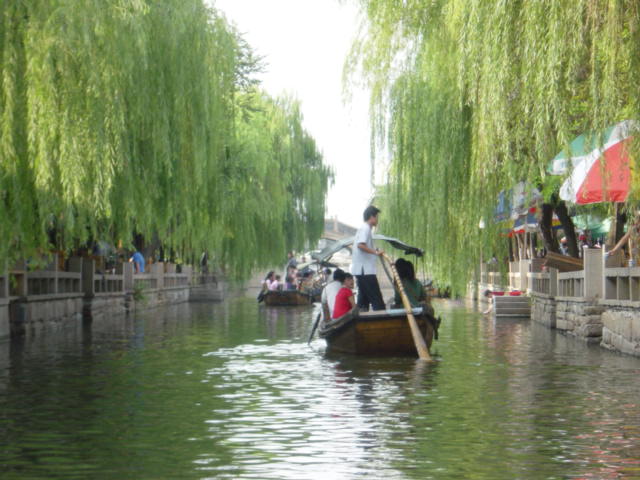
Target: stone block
point(593, 319)
point(593, 310)
point(589, 330)
point(635, 328)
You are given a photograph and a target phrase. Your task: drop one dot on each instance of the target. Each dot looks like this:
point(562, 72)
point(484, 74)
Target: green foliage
point(122, 116)
point(471, 97)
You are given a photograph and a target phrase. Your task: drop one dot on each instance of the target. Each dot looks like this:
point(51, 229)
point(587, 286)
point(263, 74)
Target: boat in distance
point(284, 298)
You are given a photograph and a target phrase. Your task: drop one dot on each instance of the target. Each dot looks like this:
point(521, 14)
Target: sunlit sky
point(304, 43)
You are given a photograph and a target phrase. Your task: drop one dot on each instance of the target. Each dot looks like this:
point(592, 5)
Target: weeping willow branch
point(470, 97)
point(122, 116)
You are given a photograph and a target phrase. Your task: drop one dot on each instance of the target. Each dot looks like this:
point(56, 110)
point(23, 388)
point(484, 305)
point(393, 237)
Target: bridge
point(335, 230)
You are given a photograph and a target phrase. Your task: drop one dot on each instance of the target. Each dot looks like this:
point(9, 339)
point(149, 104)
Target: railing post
point(88, 274)
point(157, 270)
point(55, 273)
point(593, 273)
point(524, 269)
point(553, 282)
point(127, 271)
point(5, 283)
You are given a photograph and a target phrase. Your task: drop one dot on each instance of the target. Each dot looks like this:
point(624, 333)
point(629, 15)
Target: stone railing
point(571, 284)
point(622, 284)
point(108, 283)
point(518, 271)
point(42, 283)
point(145, 281)
point(204, 278)
point(543, 283)
point(4, 286)
point(176, 280)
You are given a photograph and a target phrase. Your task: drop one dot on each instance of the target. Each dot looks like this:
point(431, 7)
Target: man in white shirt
point(329, 293)
point(363, 265)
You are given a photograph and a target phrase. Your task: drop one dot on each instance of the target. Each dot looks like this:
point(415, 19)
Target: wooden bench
point(563, 263)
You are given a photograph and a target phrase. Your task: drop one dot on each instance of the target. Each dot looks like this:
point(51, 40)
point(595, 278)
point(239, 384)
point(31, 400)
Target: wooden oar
point(418, 339)
point(313, 330)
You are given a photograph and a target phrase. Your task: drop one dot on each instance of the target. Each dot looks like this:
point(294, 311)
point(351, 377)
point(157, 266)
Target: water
point(232, 391)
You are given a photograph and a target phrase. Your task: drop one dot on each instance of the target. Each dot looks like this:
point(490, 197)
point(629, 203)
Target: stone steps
point(508, 306)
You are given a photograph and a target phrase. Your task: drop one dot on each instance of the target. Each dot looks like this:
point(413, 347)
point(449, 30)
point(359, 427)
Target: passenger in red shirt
point(344, 298)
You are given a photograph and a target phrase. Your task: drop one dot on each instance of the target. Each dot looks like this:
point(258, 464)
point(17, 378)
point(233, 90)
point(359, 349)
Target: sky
point(304, 44)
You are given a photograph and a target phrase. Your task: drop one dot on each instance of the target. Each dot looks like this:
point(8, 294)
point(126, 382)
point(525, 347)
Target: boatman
point(364, 260)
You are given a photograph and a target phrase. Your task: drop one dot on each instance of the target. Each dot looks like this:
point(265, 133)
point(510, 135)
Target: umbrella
point(597, 226)
point(598, 166)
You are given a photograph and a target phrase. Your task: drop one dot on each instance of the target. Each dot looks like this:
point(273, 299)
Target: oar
point(313, 329)
point(418, 339)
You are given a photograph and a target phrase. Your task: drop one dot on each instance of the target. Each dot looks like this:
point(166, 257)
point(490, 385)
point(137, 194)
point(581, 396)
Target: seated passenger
point(290, 279)
point(306, 283)
point(344, 299)
point(268, 280)
point(329, 293)
point(275, 285)
point(412, 286)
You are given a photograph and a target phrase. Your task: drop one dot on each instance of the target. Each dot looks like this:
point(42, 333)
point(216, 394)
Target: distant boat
point(384, 332)
point(285, 298)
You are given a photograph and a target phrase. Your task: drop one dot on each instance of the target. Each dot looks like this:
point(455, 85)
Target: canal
point(232, 391)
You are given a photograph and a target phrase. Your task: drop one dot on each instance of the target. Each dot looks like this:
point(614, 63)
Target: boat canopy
point(329, 251)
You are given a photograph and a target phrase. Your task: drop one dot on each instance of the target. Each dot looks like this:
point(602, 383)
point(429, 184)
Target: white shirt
point(363, 263)
point(329, 294)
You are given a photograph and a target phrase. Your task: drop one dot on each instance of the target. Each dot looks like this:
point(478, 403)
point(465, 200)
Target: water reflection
point(233, 391)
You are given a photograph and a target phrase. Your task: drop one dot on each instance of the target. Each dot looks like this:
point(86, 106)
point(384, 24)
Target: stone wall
point(580, 317)
point(4, 319)
point(33, 315)
point(156, 298)
point(621, 329)
point(543, 309)
point(207, 292)
point(99, 306)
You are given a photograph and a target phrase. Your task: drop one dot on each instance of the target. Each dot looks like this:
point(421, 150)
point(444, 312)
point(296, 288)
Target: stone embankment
point(32, 301)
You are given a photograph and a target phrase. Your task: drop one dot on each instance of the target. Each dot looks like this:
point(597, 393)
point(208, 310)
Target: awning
point(334, 248)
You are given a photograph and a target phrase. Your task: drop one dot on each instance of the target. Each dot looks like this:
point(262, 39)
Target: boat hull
point(376, 334)
point(287, 298)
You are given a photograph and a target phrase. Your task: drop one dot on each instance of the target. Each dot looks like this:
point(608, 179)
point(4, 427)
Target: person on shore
point(204, 262)
point(564, 248)
point(344, 299)
point(138, 262)
point(412, 286)
point(633, 237)
point(489, 295)
point(364, 263)
point(328, 298)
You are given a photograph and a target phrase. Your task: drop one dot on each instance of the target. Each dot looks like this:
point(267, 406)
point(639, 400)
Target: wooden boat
point(287, 298)
point(384, 332)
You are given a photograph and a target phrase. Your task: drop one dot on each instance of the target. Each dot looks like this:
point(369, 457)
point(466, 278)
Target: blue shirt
point(139, 260)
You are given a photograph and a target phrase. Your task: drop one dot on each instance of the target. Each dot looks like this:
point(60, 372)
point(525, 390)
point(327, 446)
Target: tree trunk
point(621, 220)
point(548, 237)
point(616, 230)
point(569, 228)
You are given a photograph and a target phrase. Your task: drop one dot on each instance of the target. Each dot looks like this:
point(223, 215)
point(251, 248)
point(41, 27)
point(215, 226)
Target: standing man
point(364, 263)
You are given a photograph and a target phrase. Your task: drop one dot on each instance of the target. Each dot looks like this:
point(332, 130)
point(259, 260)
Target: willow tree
point(120, 117)
point(275, 186)
point(470, 97)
